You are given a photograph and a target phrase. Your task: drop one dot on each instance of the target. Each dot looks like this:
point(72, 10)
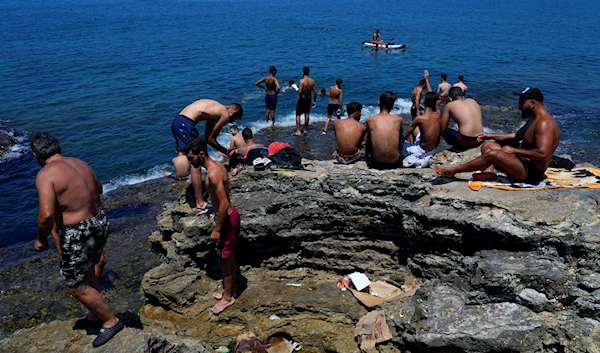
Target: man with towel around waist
point(467, 115)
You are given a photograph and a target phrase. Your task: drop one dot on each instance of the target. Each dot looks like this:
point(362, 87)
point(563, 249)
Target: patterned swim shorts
point(81, 245)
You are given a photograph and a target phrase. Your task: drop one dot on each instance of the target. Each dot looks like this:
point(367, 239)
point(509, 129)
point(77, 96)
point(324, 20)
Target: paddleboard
point(385, 46)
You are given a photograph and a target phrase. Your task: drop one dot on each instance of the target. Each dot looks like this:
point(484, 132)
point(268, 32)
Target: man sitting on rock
point(384, 132)
point(349, 134)
point(467, 115)
point(428, 137)
point(226, 230)
point(251, 150)
point(528, 162)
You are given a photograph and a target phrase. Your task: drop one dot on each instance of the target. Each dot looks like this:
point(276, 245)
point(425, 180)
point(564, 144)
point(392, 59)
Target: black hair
point(306, 70)
point(353, 107)
point(196, 145)
point(461, 78)
point(272, 69)
point(431, 99)
point(444, 76)
point(238, 110)
point(387, 100)
point(45, 145)
point(234, 127)
point(423, 82)
point(247, 133)
point(455, 92)
point(339, 81)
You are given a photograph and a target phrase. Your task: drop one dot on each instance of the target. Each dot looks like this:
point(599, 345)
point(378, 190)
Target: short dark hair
point(353, 107)
point(45, 145)
point(247, 133)
point(461, 78)
point(431, 99)
point(306, 70)
point(456, 92)
point(234, 127)
point(444, 76)
point(272, 69)
point(423, 82)
point(339, 81)
point(196, 145)
point(387, 100)
point(238, 110)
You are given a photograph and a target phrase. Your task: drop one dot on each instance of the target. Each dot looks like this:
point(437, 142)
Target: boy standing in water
point(226, 231)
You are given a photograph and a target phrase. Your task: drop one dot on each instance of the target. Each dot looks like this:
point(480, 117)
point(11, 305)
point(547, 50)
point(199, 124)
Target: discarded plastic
point(223, 349)
point(294, 284)
point(274, 317)
point(359, 280)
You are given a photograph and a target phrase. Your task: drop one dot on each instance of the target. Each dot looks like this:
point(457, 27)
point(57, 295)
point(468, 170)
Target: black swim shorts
point(303, 106)
point(333, 107)
point(81, 245)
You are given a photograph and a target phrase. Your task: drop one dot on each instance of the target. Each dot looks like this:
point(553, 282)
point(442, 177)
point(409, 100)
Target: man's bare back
point(384, 131)
point(334, 94)
point(205, 110)
point(467, 115)
point(443, 89)
point(349, 134)
point(307, 85)
point(429, 126)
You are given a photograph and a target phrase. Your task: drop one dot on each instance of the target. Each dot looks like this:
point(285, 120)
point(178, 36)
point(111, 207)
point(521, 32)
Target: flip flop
point(203, 210)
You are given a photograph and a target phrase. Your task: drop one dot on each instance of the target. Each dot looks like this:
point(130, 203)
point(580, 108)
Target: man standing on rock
point(69, 194)
point(303, 106)
point(384, 132)
point(528, 162)
point(467, 115)
point(271, 91)
point(226, 231)
point(184, 129)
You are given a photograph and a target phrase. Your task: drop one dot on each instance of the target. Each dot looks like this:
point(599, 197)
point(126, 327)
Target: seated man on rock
point(467, 115)
point(384, 133)
point(349, 134)
point(250, 150)
point(526, 163)
point(428, 125)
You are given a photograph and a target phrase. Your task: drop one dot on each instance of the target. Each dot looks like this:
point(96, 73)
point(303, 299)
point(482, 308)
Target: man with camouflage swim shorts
point(69, 194)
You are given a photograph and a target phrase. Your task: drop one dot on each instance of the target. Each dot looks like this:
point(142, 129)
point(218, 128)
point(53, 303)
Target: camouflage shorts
point(81, 245)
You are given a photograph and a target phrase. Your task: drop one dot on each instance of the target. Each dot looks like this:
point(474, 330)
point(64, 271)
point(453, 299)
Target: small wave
point(138, 177)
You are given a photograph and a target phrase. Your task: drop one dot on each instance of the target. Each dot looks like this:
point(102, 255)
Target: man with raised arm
point(303, 106)
point(467, 115)
point(527, 162)
point(417, 94)
point(69, 197)
point(384, 132)
point(184, 130)
point(349, 134)
point(271, 91)
point(335, 102)
point(226, 230)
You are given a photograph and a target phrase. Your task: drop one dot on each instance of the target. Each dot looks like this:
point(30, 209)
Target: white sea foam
point(16, 150)
point(138, 177)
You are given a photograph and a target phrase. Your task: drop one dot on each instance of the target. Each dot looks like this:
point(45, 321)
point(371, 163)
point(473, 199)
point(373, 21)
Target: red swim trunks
point(230, 234)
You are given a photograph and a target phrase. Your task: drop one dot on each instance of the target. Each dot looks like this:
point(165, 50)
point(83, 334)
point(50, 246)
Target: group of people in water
point(69, 192)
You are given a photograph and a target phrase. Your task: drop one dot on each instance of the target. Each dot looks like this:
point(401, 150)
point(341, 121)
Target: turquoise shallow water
point(107, 77)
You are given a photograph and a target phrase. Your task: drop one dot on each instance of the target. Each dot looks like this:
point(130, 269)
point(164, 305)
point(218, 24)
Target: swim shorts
point(347, 158)
point(303, 106)
point(333, 107)
point(81, 245)
point(534, 174)
point(271, 101)
point(184, 130)
point(230, 234)
point(373, 163)
point(462, 142)
point(444, 99)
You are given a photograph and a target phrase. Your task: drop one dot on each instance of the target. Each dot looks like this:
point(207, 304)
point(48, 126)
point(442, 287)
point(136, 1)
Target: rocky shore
point(506, 271)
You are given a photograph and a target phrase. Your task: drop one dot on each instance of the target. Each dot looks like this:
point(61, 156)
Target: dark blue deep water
point(108, 76)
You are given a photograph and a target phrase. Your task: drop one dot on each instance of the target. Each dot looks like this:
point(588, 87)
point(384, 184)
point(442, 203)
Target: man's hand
point(482, 137)
point(39, 246)
point(426, 74)
point(215, 236)
point(508, 149)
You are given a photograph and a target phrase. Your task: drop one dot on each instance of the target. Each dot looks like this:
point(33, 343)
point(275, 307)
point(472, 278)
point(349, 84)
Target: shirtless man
point(349, 134)
point(184, 129)
point(467, 115)
point(461, 84)
point(226, 230)
point(271, 91)
point(384, 132)
point(250, 145)
point(443, 88)
point(237, 140)
point(69, 196)
point(429, 127)
point(307, 85)
point(417, 93)
point(335, 102)
point(376, 39)
point(528, 162)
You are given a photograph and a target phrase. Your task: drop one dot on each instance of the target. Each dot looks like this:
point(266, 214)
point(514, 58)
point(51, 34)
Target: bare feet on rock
point(443, 171)
point(485, 176)
point(219, 295)
point(222, 305)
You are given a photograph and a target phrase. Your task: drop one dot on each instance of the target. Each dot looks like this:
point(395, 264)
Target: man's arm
point(258, 83)
point(368, 143)
point(339, 111)
point(445, 117)
point(212, 139)
point(426, 76)
point(47, 209)
point(315, 95)
point(217, 181)
point(277, 85)
point(413, 125)
point(496, 137)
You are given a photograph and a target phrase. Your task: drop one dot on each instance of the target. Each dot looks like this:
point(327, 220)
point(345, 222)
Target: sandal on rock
point(203, 210)
point(107, 333)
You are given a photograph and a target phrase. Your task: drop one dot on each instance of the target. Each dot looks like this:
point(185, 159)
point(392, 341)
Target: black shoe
point(107, 333)
point(85, 323)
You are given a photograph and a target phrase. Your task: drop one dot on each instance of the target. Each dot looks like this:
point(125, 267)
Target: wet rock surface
point(506, 271)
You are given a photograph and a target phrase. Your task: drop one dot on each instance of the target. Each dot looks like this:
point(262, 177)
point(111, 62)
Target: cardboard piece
point(387, 292)
point(373, 329)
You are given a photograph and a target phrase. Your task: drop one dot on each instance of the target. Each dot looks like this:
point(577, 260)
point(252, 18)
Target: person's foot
point(222, 305)
point(200, 210)
point(219, 295)
point(443, 171)
point(324, 132)
point(305, 132)
point(485, 176)
point(106, 333)
point(297, 133)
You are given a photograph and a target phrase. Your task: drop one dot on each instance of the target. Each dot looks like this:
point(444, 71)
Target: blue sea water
point(108, 76)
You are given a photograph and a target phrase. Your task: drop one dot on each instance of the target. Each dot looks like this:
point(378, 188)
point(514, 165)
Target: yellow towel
point(555, 179)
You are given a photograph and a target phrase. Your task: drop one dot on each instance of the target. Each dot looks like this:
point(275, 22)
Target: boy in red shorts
point(226, 230)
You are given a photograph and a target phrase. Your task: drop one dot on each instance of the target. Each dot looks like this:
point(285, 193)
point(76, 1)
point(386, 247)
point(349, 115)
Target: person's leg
point(306, 120)
point(327, 123)
point(197, 183)
point(273, 116)
point(91, 298)
point(297, 133)
point(99, 267)
point(267, 113)
point(228, 269)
